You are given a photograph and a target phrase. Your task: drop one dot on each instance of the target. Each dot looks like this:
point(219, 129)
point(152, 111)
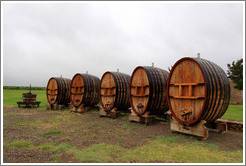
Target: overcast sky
point(42, 40)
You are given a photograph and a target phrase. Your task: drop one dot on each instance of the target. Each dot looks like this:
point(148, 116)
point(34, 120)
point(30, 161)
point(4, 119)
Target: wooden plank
point(56, 106)
point(180, 90)
point(187, 97)
point(110, 114)
point(199, 130)
point(145, 118)
point(187, 84)
point(190, 90)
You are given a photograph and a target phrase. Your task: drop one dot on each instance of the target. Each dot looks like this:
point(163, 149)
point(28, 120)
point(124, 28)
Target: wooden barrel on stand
point(84, 89)
point(148, 90)
point(57, 90)
point(197, 90)
point(114, 91)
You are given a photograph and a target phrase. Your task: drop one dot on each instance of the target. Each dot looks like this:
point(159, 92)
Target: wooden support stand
point(200, 129)
point(56, 106)
point(217, 126)
point(114, 113)
point(28, 104)
point(231, 125)
point(82, 108)
point(147, 118)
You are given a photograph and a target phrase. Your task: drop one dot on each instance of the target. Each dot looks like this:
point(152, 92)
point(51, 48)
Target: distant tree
point(235, 72)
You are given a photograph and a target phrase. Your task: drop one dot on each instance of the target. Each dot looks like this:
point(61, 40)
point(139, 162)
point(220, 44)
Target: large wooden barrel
point(114, 91)
point(57, 90)
point(84, 89)
point(197, 90)
point(148, 90)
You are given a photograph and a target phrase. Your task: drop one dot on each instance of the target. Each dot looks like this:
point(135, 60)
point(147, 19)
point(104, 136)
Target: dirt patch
point(26, 156)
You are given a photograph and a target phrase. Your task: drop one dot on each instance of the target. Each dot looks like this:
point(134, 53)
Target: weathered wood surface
point(147, 118)
point(57, 91)
point(29, 99)
point(148, 90)
point(27, 104)
point(84, 90)
point(114, 91)
point(113, 113)
point(57, 106)
point(82, 108)
point(197, 90)
point(231, 125)
point(199, 129)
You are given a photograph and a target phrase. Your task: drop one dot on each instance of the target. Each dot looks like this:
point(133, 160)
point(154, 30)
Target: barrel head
point(107, 91)
point(139, 90)
point(52, 91)
point(186, 91)
point(77, 90)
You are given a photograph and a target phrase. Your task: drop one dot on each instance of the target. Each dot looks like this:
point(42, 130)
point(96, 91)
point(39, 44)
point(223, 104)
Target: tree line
point(23, 88)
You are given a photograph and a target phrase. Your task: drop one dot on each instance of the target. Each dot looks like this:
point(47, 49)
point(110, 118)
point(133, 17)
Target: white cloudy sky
point(42, 40)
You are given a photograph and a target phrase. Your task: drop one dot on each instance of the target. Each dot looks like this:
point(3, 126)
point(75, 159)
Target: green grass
point(46, 146)
point(163, 149)
point(20, 144)
point(55, 156)
point(51, 132)
point(234, 113)
point(97, 153)
point(167, 149)
point(11, 97)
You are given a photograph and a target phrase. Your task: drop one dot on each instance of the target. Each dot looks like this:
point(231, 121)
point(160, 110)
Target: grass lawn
point(62, 136)
point(10, 97)
point(234, 113)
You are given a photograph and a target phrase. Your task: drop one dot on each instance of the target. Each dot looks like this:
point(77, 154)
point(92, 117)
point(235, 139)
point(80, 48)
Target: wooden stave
point(63, 89)
point(121, 100)
point(91, 96)
point(155, 109)
point(222, 84)
point(209, 89)
point(63, 85)
point(154, 86)
point(91, 90)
